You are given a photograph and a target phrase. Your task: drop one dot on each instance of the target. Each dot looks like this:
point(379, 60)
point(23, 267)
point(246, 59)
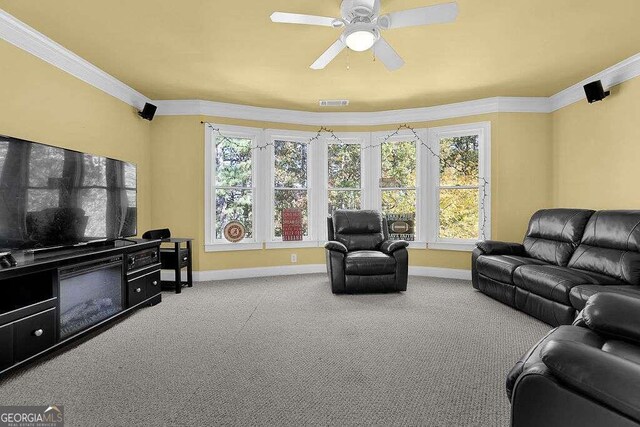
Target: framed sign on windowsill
point(292, 230)
point(402, 226)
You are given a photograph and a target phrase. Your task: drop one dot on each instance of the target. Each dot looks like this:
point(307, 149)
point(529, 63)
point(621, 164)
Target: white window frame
point(427, 182)
point(211, 243)
point(313, 152)
point(377, 139)
point(363, 139)
point(483, 130)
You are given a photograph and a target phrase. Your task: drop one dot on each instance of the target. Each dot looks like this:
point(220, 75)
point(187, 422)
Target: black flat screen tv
point(52, 197)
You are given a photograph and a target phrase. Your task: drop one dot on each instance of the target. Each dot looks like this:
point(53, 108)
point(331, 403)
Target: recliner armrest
point(336, 246)
point(390, 246)
point(601, 376)
point(615, 315)
point(494, 247)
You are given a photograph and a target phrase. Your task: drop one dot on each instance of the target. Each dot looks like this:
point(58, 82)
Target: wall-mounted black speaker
point(148, 111)
point(595, 91)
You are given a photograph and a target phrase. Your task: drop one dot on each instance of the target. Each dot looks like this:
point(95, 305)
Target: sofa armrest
point(599, 375)
point(390, 246)
point(615, 315)
point(493, 247)
point(335, 246)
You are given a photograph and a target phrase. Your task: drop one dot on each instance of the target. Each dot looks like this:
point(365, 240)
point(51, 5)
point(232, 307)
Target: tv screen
point(55, 197)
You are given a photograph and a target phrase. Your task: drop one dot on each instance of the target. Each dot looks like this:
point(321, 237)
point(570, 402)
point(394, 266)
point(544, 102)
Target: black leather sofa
point(583, 375)
point(567, 256)
point(360, 256)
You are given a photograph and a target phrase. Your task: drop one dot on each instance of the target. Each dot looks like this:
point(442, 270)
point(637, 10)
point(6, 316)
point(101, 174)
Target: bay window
point(432, 185)
point(230, 181)
point(460, 196)
point(291, 181)
point(397, 161)
point(345, 177)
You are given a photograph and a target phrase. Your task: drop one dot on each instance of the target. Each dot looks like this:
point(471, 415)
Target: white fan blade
point(389, 57)
point(438, 14)
point(296, 18)
point(328, 55)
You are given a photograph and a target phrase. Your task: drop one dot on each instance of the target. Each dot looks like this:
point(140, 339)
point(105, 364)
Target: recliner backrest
point(611, 245)
point(358, 229)
point(554, 234)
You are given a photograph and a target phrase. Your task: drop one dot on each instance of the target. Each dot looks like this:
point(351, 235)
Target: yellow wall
point(41, 103)
point(521, 149)
point(53, 107)
point(596, 150)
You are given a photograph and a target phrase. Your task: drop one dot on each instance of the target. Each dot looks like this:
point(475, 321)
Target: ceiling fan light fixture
point(360, 40)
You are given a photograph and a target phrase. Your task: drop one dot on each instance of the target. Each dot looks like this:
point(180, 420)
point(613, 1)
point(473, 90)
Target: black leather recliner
point(360, 256)
point(567, 256)
point(583, 375)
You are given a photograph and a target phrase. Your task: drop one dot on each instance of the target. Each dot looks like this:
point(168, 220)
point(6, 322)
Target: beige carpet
point(286, 351)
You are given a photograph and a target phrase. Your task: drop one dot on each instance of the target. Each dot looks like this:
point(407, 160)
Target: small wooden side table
point(177, 258)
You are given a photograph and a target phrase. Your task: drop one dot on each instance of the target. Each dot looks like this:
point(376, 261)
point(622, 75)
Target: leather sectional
point(583, 375)
point(567, 256)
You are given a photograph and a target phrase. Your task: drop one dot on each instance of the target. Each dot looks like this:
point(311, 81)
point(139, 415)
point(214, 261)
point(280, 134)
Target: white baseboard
point(445, 273)
point(289, 270)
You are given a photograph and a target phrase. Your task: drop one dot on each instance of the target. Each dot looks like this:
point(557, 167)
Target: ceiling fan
point(363, 24)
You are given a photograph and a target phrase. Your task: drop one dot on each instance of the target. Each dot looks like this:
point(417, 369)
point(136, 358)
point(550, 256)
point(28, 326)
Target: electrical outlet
point(294, 258)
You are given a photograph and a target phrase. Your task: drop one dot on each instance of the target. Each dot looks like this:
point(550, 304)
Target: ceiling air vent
point(334, 102)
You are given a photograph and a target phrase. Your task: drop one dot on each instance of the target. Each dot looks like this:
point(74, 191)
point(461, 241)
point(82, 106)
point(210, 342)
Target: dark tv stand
point(51, 298)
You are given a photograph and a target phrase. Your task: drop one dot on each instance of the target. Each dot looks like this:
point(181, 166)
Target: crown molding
point(413, 115)
point(612, 76)
point(26, 38)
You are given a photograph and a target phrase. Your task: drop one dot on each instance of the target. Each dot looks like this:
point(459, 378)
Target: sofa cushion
point(367, 263)
point(533, 357)
point(551, 312)
point(554, 282)
point(358, 230)
point(553, 234)
point(580, 294)
point(501, 267)
point(611, 245)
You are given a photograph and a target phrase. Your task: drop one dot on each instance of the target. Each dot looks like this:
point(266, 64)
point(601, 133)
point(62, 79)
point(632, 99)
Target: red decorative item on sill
point(292, 225)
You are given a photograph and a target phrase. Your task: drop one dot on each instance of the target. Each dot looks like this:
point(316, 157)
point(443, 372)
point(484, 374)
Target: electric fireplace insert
point(89, 294)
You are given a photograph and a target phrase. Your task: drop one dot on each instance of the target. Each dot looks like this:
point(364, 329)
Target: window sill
point(229, 247)
point(449, 246)
point(294, 244)
point(417, 245)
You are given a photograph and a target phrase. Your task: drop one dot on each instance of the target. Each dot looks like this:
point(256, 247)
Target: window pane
point(233, 162)
point(343, 199)
point(95, 171)
point(344, 165)
point(290, 164)
point(38, 200)
point(285, 199)
point(399, 201)
point(399, 164)
point(459, 160)
point(130, 175)
point(45, 162)
point(94, 202)
point(4, 147)
point(131, 198)
point(234, 205)
point(459, 214)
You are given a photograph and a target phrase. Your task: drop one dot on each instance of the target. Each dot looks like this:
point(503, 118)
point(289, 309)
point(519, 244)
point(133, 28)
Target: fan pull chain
point(348, 59)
